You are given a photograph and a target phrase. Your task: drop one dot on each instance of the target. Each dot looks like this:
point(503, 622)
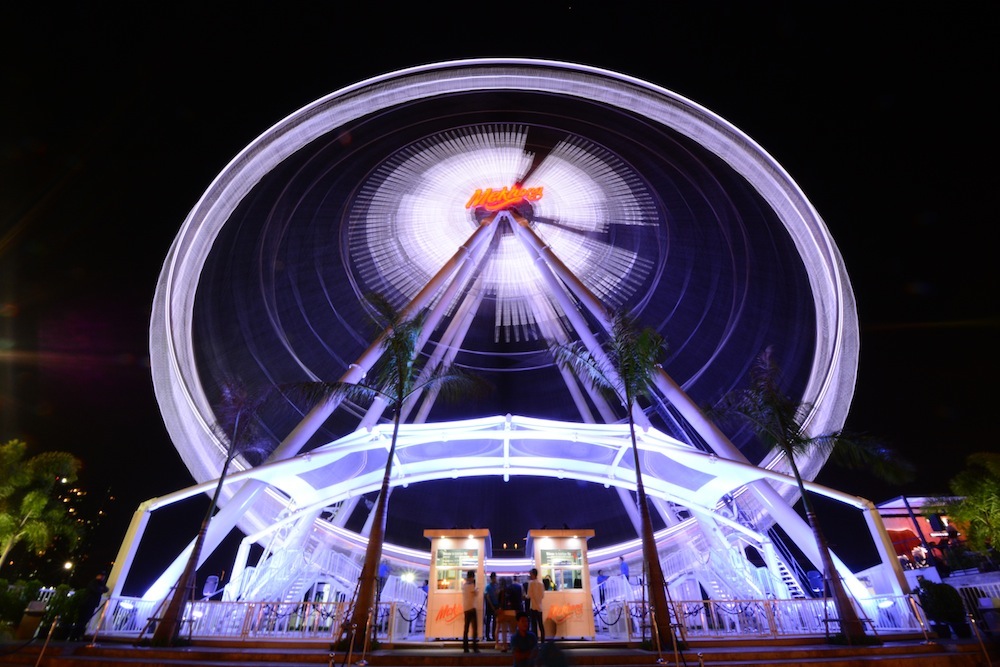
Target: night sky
point(114, 121)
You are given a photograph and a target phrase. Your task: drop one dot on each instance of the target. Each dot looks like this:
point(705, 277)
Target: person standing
point(601, 578)
point(491, 608)
point(515, 595)
point(536, 593)
point(624, 567)
point(88, 604)
point(524, 643)
point(470, 600)
point(507, 618)
point(383, 575)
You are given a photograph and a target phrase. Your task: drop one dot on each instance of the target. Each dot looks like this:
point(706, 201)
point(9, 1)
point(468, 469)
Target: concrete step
point(756, 653)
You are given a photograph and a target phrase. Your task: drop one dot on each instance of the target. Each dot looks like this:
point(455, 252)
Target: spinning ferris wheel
point(513, 199)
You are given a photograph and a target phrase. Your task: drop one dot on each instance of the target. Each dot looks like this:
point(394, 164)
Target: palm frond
point(858, 452)
point(990, 461)
point(776, 421)
point(635, 353)
point(452, 384)
point(773, 421)
point(314, 393)
point(238, 421)
point(598, 372)
point(235, 400)
point(626, 367)
point(36, 534)
point(394, 374)
point(54, 464)
point(397, 374)
point(976, 500)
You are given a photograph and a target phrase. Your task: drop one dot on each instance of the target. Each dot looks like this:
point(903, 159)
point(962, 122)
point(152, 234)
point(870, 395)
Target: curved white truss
point(509, 446)
point(506, 446)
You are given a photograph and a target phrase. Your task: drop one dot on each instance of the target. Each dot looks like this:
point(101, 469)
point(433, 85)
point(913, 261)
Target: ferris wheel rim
point(182, 398)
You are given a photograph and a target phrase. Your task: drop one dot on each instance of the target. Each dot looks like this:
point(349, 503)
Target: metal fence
point(772, 618)
point(982, 600)
point(618, 620)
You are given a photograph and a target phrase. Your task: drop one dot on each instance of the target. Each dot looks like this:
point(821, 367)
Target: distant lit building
point(60, 562)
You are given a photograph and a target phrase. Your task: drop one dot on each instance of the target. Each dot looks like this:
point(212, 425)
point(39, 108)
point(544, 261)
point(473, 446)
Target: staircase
point(789, 580)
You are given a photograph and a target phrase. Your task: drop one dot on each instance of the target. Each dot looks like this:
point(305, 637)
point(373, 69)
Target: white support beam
point(628, 502)
point(245, 497)
point(720, 444)
point(129, 547)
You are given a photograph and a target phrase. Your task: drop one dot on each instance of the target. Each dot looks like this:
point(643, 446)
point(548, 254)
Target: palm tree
point(239, 426)
point(625, 368)
point(977, 501)
point(395, 378)
point(29, 509)
point(777, 421)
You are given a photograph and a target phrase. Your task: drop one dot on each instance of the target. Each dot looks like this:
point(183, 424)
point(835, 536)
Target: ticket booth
point(454, 553)
point(561, 556)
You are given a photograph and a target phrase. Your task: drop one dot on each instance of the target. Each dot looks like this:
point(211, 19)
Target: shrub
point(14, 599)
point(941, 602)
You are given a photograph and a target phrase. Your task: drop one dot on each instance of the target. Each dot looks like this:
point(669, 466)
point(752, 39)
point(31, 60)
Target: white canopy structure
point(518, 446)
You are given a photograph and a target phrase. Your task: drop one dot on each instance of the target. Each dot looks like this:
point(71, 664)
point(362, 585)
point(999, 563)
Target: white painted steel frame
point(185, 408)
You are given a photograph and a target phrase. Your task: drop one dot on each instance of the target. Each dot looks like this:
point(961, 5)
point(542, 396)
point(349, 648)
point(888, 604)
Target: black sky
point(116, 117)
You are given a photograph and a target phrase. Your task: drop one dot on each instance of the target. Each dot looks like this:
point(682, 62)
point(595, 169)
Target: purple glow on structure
point(409, 219)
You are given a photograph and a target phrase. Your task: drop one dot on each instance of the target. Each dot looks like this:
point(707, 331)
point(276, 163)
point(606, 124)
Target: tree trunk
point(364, 603)
point(850, 624)
point(7, 548)
point(656, 584)
point(169, 626)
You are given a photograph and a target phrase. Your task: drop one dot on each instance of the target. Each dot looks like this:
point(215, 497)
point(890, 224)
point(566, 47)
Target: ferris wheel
point(443, 186)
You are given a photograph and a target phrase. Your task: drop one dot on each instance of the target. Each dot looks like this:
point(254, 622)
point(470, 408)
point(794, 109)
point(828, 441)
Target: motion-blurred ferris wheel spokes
point(428, 197)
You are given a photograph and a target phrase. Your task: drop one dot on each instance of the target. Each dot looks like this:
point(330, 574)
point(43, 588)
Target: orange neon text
point(494, 200)
point(448, 613)
point(560, 613)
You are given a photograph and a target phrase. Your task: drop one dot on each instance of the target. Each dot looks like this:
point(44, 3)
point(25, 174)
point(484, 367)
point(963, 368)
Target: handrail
point(398, 620)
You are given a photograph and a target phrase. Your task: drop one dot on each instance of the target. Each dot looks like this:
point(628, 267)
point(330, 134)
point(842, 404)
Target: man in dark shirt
point(524, 643)
point(91, 598)
point(515, 595)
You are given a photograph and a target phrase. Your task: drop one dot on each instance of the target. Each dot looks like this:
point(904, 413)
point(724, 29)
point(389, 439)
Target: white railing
point(620, 619)
point(980, 595)
point(45, 594)
point(777, 618)
point(982, 600)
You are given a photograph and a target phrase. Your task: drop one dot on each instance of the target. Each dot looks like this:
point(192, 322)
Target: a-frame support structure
point(563, 314)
